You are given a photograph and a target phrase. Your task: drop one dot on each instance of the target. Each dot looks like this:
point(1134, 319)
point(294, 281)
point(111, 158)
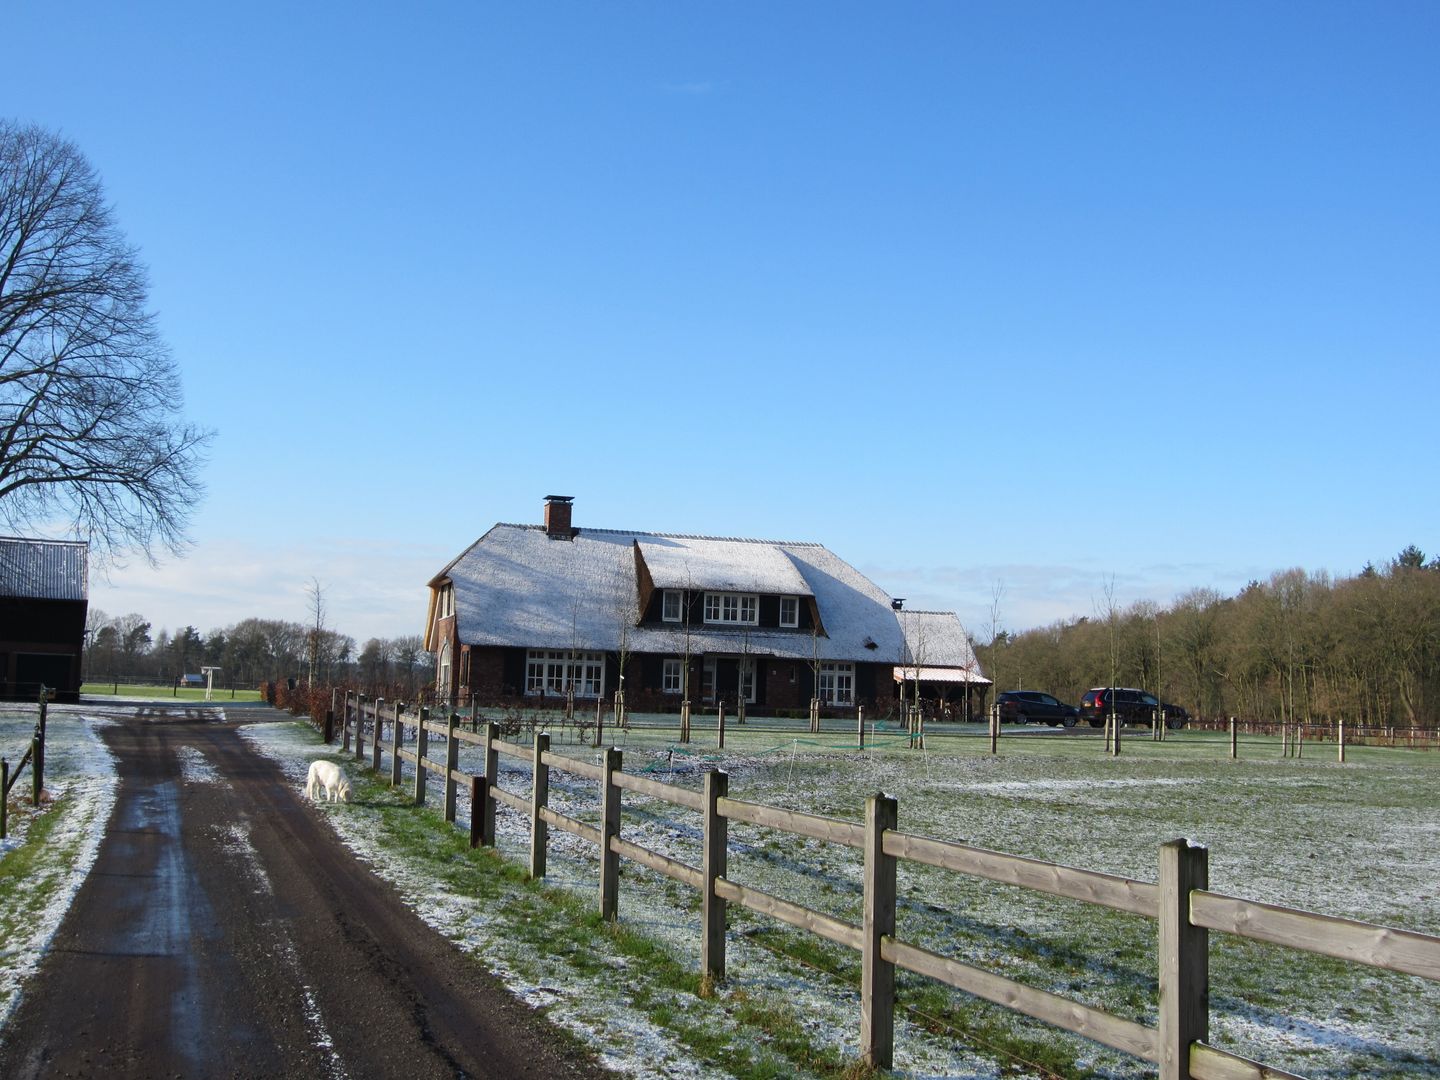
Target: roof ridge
point(581, 531)
point(42, 540)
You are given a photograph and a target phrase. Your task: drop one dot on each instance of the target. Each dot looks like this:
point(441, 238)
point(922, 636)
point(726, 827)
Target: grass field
point(164, 693)
point(1355, 840)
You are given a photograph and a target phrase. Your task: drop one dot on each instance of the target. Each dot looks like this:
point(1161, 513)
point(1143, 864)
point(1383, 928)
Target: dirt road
point(224, 932)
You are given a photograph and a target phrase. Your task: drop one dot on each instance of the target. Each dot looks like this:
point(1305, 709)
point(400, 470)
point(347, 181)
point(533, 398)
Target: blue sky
point(1027, 296)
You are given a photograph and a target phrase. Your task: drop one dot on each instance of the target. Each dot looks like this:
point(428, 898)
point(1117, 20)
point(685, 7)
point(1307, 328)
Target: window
point(837, 683)
point(742, 608)
point(789, 611)
point(555, 671)
point(719, 678)
point(671, 677)
point(672, 605)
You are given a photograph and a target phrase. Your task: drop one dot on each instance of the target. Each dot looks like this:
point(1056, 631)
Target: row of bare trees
point(1300, 646)
point(250, 652)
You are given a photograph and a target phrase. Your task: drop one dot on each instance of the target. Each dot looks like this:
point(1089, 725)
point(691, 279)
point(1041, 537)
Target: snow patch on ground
point(194, 767)
point(80, 777)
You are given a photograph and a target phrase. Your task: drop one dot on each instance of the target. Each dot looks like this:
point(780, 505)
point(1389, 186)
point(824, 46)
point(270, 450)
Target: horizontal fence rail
point(1180, 903)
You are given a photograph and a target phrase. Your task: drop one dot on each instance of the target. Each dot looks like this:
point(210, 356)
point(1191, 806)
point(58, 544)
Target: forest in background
point(250, 652)
point(1298, 647)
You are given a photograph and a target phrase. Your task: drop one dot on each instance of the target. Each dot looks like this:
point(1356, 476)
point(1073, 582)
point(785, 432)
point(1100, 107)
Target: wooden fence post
point(1234, 741)
point(492, 766)
point(422, 744)
point(477, 812)
point(376, 739)
point(539, 798)
point(715, 855)
point(860, 726)
point(1184, 958)
point(4, 798)
point(452, 762)
point(329, 731)
point(398, 738)
point(35, 786)
point(720, 726)
point(360, 728)
point(1340, 740)
point(685, 721)
point(609, 832)
point(877, 975)
point(38, 764)
point(345, 726)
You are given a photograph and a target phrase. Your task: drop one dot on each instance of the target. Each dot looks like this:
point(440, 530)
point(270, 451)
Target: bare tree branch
point(90, 426)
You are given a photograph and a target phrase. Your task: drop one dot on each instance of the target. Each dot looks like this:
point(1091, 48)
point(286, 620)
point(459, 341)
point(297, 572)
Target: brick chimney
point(557, 517)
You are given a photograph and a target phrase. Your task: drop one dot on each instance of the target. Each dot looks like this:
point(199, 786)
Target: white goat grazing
point(327, 775)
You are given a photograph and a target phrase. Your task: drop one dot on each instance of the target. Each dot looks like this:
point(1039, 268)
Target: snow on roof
point(940, 674)
point(43, 569)
point(692, 562)
point(517, 586)
point(937, 639)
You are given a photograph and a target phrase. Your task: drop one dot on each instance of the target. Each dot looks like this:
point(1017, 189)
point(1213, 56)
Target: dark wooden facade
point(41, 643)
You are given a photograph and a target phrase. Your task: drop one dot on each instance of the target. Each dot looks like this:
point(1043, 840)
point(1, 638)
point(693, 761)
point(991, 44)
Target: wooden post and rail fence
point(34, 756)
point(1180, 902)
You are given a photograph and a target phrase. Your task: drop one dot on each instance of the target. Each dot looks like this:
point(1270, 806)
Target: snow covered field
point(1358, 840)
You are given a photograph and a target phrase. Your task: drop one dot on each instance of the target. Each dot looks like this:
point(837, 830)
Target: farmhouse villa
point(546, 610)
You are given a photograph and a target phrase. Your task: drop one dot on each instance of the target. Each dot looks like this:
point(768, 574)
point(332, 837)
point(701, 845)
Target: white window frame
point(746, 671)
point(553, 671)
point(672, 676)
point(679, 598)
point(837, 683)
point(732, 609)
point(794, 605)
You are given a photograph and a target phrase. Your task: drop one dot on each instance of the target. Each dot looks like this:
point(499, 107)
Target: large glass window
point(741, 608)
point(672, 605)
point(837, 683)
point(741, 682)
point(555, 671)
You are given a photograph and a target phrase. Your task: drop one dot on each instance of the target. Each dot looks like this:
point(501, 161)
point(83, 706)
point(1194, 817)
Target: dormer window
point(672, 605)
point(789, 611)
point(734, 608)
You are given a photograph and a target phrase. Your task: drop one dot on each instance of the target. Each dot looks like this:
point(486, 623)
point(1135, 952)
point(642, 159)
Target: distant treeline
point(250, 652)
point(1301, 646)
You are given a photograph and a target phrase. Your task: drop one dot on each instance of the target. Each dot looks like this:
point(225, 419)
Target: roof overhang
point(939, 674)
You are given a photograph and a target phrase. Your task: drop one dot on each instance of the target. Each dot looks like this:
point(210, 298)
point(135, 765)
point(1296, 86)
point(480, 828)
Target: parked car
point(1031, 706)
point(1130, 705)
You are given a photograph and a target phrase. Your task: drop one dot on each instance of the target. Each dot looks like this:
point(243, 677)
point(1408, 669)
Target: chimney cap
point(559, 498)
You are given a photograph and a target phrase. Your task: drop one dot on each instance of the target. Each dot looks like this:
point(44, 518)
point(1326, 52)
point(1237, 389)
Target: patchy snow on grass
point(1343, 840)
point(80, 780)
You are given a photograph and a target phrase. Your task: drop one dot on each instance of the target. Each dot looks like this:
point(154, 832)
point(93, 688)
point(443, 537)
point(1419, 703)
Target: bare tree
point(315, 638)
point(90, 430)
